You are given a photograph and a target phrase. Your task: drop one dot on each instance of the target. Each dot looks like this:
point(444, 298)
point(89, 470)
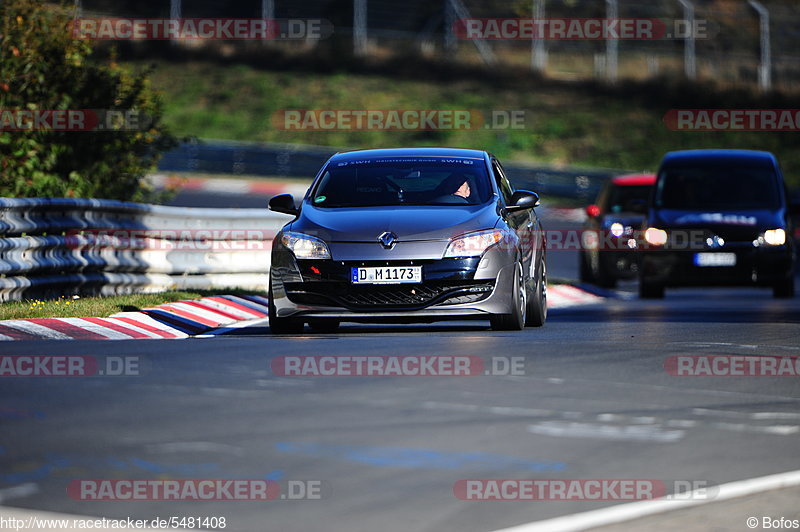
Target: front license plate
point(387, 275)
point(715, 259)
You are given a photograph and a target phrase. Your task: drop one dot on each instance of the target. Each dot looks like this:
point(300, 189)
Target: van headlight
point(473, 244)
point(655, 237)
point(773, 237)
point(305, 246)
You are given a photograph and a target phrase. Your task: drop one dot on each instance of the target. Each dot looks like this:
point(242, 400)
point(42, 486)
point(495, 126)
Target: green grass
point(578, 124)
point(66, 307)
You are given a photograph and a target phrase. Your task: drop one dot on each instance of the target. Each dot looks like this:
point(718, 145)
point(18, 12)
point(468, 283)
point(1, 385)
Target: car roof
point(408, 152)
point(632, 180)
point(718, 155)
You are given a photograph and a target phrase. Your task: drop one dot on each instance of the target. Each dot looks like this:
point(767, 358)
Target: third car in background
point(619, 211)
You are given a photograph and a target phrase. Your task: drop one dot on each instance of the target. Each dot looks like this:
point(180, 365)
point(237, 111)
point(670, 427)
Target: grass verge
point(101, 306)
point(579, 124)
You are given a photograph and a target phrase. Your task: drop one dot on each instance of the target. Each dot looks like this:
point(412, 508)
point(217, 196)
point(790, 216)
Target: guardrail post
point(765, 68)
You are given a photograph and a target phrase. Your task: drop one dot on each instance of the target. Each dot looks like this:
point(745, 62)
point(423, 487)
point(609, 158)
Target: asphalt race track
point(594, 401)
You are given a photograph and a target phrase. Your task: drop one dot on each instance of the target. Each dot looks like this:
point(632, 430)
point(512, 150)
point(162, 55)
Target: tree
point(44, 67)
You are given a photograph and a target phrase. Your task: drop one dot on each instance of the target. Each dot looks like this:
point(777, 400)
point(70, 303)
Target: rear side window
point(726, 185)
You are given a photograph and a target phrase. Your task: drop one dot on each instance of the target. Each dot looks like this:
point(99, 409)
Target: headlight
point(473, 244)
point(617, 229)
point(775, 237)
point(655, 237)
point(305, 246)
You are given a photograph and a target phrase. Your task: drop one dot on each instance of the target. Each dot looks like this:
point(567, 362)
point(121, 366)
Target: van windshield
point(715, 186)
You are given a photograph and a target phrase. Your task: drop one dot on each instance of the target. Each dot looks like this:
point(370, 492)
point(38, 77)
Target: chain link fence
point(737, 42)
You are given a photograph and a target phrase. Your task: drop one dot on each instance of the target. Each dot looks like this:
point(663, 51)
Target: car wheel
point(516, 320)
point(605, 279)
point(537, 304)
point(281, 325)
point(324, 325)
point(584, 268)
point(651, 290)
point(784, 289)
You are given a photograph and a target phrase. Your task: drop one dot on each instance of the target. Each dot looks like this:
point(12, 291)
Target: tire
point(784, 289)
point(651, 290)
point(516, 320)
point(281, 325)
point(585, 269)
point(604, 278)
point(324, 325)
point(537, 302)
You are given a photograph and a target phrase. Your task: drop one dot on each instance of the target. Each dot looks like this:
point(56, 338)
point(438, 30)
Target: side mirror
point(593, 211)
point(523, 199)
point(283, 203)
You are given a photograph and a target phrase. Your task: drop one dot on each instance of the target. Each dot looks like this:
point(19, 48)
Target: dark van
point(718, 218)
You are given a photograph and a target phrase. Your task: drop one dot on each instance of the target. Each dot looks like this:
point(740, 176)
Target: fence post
point(483, 48)
point(268, 13)
point(689, 55)
point(360, 27)
point(174, 12)
point(765, 69)
point(612, 44)
point(538, 49)
point(449, 30)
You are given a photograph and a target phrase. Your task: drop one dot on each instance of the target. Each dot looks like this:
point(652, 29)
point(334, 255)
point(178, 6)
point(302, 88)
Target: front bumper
point(470, 288)
point(763, 266)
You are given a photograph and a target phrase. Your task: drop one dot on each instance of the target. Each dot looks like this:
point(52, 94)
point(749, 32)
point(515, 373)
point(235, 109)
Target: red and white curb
point(565, 295)
point(180, 319)
point(202, 317)
point(247, 187)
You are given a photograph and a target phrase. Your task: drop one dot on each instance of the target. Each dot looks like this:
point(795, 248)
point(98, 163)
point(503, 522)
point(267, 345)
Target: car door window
point(502, 182)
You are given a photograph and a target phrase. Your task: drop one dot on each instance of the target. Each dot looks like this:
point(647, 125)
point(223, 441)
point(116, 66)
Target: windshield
point(624, 198)
point(716, 186)
point(403, 181)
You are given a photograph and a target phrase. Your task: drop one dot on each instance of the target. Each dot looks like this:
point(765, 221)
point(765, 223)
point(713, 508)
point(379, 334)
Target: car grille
point(387, 296)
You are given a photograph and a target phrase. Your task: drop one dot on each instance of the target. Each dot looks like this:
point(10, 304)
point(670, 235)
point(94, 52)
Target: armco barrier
point(63, 246)
point(298, 160)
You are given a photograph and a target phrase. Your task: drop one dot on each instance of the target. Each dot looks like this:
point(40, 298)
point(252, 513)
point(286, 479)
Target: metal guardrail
point(62, 246)
point(297, 160)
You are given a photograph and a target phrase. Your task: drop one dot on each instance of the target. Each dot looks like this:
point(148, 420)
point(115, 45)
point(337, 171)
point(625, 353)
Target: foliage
point(43, 67)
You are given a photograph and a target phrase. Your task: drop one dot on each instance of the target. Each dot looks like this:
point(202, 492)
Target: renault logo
point(387, 239)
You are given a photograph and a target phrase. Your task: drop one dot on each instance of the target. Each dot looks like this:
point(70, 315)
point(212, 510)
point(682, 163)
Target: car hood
point(410, 223)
